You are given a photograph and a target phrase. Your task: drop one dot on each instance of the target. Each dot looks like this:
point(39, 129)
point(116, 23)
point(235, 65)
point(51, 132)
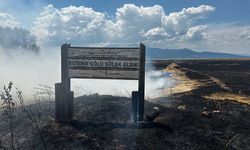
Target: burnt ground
point(235, 73)
point(187, 120)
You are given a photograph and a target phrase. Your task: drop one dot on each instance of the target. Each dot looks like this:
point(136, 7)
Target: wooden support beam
point(64, 99)
point(134, 101)
point(141, 83)
point(64, 103)
point(70, 101)
point(64, 67)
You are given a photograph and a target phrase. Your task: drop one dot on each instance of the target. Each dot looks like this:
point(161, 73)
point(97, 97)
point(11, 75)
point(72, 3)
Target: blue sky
point(226, 10)
point(201, 25)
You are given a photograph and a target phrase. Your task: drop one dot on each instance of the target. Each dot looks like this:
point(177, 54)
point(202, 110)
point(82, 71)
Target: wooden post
point(64, 103)
point(70, 100)
point(141, 83)
point(58, 98)
point(63, 97)
point(134, 101)
point(64, 67)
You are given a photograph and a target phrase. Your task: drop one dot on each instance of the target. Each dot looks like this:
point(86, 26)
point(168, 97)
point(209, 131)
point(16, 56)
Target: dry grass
point(222, 96)
point(183, 83)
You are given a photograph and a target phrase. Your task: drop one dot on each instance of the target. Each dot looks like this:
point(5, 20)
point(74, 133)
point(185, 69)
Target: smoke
point(27, 70)
point(13, 39)
point(156, 83)
point(27, 65)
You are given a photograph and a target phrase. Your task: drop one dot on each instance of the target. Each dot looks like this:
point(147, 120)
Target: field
point(208, 108)
point(234, 73)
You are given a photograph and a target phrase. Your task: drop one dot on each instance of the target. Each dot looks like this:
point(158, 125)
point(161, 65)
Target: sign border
point(65, 58)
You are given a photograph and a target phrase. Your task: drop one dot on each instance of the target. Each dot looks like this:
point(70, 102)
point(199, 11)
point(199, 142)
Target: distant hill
point(156, 53)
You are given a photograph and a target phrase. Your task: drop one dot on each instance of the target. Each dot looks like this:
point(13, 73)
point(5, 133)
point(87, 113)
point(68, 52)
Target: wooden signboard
point(105, 63)
point(99, 63)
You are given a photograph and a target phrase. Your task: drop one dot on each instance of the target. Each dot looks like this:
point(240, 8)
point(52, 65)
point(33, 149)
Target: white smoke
point(21, 63)
point(27, 70)
point(13, 39)
point(156, 82)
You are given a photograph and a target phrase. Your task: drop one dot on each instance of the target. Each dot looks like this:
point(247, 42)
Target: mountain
point(156, 53)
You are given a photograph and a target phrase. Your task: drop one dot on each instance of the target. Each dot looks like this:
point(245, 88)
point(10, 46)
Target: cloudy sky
point(201, 25)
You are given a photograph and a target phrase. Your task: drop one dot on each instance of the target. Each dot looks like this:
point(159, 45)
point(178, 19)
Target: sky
point(201, 25)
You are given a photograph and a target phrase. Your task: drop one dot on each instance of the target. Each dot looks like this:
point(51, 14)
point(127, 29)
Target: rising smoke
point(27, 70)
point(27, 65)
point(14, 38)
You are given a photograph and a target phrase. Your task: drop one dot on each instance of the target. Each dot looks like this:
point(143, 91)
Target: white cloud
point(7, 20)
point(156, 33)
point(80, 25)
point(245, 33)
point(202, 9)
point(229, 37)
point(196, 33)
point(179, 23)
point(24, 11)
point(132, 24)
point(132, 21)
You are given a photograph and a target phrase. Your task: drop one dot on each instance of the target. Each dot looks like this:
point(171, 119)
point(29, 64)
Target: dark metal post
point(141, 84)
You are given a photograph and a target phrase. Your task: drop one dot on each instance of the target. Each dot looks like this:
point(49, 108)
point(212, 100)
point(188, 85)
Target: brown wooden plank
point(104, 52)
point(110, 63)
point(104, 74)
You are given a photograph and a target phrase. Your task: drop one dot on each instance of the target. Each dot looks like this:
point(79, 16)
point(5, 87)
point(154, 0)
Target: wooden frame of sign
point(100, 63)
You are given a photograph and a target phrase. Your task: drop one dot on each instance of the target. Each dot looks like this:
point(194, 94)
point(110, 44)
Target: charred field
point(212, 112)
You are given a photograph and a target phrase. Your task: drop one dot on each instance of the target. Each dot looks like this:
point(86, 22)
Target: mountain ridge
point(157, 53)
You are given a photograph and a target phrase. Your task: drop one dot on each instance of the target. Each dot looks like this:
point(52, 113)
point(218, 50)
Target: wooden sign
point(106, 63)
point(103, 63)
